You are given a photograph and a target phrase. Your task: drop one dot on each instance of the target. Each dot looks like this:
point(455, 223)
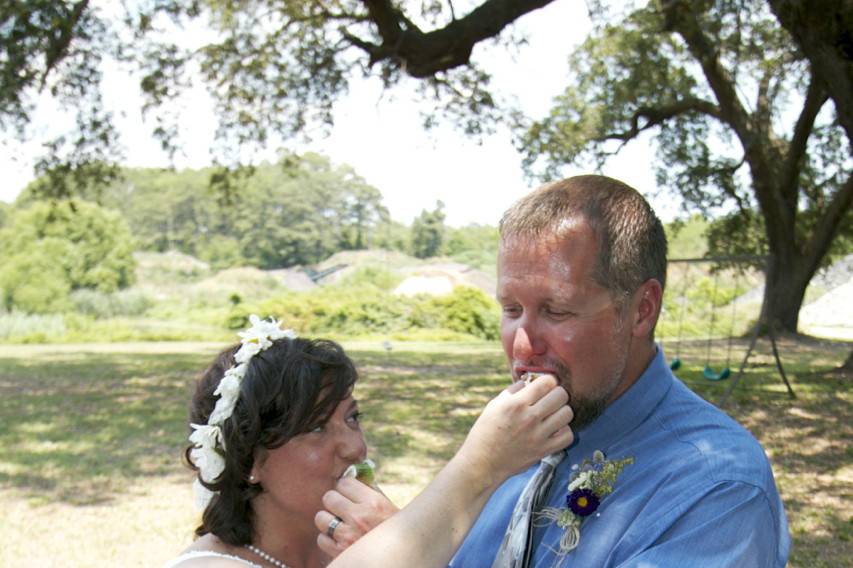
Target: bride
point(275, 427)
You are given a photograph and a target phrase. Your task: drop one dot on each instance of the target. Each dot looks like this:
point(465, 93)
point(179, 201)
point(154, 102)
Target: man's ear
point(647, 304)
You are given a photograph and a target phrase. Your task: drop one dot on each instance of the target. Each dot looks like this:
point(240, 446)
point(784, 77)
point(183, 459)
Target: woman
point(275, 427)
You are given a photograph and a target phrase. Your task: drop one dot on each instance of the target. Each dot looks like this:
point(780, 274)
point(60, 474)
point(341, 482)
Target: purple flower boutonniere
point(589, 484)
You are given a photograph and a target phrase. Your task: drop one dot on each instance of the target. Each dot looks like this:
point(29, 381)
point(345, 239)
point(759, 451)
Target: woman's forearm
point(427, 532)
point(516, 429)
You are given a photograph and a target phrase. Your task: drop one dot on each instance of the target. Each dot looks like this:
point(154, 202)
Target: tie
point(514, 550)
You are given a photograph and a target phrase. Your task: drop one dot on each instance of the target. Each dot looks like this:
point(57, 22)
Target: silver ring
point(333, 524)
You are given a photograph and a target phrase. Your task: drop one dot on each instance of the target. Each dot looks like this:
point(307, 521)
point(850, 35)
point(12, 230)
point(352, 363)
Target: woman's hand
point(517, 428)
point(359, 507)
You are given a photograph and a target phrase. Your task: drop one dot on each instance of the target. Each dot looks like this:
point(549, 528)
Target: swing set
point(709, 372)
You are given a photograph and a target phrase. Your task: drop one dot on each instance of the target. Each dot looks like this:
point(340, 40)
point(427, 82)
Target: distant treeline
point(296, 212)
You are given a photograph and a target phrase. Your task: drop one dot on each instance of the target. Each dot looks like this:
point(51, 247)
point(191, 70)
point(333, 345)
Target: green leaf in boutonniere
point(589, 484)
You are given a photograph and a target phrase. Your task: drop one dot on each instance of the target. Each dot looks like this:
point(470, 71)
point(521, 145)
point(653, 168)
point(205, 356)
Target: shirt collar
point(631, 409)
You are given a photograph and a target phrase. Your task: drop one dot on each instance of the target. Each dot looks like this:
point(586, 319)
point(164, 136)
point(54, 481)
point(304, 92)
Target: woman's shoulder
point(208, 559)
point(209, 552)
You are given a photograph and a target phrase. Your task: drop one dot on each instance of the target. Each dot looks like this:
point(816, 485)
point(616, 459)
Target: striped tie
point(515, 548)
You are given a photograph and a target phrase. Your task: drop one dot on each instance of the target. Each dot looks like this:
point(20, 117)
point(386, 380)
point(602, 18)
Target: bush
point(29, 328)
point(468, 310)
point(34, 282)
point(100, 305)
point(367, 310)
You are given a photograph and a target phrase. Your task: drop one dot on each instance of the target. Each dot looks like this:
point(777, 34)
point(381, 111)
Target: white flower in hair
point(264, 331)
point(209, 444)
point(201, 495)
point(223, 410)
point(206, 435)
point(249, 350)
point(209, 462)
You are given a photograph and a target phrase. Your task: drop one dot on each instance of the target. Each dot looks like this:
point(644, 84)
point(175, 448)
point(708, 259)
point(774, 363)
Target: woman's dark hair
point(290, 388)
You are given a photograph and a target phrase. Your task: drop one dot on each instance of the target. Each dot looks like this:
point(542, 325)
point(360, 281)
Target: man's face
point(557, 320)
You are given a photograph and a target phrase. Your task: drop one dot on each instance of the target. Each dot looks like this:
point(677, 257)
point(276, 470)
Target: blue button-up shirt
point(699, 493)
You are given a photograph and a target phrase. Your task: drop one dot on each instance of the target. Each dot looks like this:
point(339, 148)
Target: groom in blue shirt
point(581, 273)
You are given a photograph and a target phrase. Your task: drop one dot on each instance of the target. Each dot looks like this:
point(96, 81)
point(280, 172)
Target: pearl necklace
point(267, 557)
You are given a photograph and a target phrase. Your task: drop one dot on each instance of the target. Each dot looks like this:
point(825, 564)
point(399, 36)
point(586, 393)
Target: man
point(581, 273)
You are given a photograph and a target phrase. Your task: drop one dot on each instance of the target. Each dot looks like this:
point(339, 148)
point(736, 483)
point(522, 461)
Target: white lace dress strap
point(206, 554)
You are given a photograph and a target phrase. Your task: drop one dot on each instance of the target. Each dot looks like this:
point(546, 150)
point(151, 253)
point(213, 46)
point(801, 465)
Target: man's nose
point(527, 342)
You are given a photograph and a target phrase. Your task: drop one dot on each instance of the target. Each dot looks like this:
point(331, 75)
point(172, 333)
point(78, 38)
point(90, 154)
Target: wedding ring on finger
point(333, 524)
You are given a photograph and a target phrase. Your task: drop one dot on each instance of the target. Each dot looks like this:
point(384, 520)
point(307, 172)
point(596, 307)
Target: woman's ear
point(256, 473)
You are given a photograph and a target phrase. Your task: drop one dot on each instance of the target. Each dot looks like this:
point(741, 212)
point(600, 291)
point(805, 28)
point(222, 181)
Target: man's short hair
point(631, 239)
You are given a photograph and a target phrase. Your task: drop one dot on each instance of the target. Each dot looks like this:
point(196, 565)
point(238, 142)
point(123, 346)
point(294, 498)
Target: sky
point(381, 136)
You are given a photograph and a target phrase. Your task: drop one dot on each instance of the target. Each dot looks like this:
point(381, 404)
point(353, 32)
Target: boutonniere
point(589, 483)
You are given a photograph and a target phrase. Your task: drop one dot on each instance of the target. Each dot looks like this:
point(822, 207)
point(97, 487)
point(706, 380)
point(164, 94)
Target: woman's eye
point(355, 417)
point(318, 430)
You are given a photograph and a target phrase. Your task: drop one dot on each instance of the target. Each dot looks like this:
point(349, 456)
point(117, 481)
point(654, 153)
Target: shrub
point(469, 310)
point(34, 282)
point(92, 245)
point(100, 305)
point(31, 328)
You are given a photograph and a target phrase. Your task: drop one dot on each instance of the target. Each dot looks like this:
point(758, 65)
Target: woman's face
point(296, 475)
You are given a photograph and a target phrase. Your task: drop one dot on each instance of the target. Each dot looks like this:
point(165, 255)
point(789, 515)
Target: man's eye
point(557, 313)
point(356, 417)
point(511, 311)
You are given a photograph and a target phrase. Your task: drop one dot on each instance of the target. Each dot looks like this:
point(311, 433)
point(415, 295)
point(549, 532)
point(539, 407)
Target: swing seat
point(709, 374)
point(675, 364)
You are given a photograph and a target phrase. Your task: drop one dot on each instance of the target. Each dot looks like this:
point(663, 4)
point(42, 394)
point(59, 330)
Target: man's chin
point(586, 412)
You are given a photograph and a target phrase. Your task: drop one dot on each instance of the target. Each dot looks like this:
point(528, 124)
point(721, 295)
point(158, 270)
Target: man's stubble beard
point(587, 409)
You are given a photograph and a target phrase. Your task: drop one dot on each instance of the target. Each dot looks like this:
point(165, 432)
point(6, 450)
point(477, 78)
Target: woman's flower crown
point(208, 453)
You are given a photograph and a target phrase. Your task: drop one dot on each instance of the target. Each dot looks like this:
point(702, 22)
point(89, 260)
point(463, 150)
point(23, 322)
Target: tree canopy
point(740, 120)
point(50, 250)
point(691, 72)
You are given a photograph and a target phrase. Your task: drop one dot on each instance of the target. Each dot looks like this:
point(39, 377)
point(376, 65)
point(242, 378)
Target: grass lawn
point(91, 438)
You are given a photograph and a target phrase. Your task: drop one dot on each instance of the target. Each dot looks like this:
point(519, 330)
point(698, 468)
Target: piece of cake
point(364, 471)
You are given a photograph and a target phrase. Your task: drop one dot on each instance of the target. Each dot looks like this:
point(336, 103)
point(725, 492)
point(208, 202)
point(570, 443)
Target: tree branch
point(681, 18)
point(816, 97)
point(827, 226)
point(759, 151)
point(423, 54)
point(658, 115)
point(822, 29)
point(58, 48)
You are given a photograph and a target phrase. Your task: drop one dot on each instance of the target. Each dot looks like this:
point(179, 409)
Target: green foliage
point(158, 269)
point(744, 233)
point(363, 305)
point(221, 251)
point(709, 82)
point(428, 232)
point(296, 212)
point(102, 305)
point(92, 245)
point(31, 328)
point(34, 281)
point(468, 310)
point(474, 245)
point(370, 276)
point(393, 235)
point(687, 238)
point(5, 212)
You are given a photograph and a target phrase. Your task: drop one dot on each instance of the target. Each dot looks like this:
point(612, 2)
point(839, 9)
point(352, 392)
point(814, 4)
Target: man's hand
point(360, 509)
